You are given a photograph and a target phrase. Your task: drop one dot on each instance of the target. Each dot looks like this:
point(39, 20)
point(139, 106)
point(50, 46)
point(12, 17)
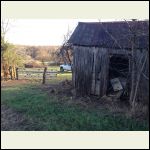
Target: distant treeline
point(40, 53)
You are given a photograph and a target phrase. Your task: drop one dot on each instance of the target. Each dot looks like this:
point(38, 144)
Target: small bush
point(33, 65)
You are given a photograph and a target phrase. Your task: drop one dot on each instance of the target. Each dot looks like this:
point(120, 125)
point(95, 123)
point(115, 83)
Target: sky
point(41, 32)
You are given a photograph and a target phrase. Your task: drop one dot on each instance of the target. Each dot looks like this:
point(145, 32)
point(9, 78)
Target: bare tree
point(137, 70)
point(65, 50)
point(4, 30)
point(4, 27)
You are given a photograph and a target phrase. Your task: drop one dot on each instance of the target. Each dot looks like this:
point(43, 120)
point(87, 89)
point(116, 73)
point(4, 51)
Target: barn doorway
point(118, 66)
point(118, 70)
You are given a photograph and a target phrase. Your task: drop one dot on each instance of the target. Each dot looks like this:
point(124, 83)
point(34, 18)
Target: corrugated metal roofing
point(110, 34)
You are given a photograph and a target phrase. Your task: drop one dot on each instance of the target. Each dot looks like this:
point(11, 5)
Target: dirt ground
point(11, 120)
point(10, 83)
point(65, 89)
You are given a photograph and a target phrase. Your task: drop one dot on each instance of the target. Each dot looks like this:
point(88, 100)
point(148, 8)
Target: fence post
point(44, 75)
point(10, 72)
point(16, 73)
point(15, 76)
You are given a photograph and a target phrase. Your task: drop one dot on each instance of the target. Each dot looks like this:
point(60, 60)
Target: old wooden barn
point(102, 52)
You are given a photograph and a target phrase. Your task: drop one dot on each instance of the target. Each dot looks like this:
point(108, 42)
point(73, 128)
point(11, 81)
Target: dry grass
point(10, 83)
point(114, 106)
point(11, 120)
point(140, 112)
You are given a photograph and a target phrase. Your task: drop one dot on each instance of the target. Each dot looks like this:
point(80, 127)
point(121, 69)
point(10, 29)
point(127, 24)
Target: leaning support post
point(17, 74)
point(44, 75)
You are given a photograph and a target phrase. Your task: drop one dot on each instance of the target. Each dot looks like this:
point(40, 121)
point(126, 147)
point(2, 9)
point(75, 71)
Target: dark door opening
point(118, 68)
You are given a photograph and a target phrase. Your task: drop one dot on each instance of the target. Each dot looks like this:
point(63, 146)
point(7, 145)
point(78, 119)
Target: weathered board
point(35, 73)
point(116, 84)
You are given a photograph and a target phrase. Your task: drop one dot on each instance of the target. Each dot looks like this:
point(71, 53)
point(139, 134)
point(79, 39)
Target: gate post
point(44, 75)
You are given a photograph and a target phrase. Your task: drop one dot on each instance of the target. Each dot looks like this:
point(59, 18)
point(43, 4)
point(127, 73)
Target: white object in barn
point(116, 84)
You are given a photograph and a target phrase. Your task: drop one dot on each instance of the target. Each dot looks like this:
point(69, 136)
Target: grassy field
point(53, 68)
point(47, 111)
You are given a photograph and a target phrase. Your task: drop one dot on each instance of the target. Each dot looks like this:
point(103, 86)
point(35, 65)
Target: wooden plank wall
point(90, 70)
point(82, 70)
point(100, 71)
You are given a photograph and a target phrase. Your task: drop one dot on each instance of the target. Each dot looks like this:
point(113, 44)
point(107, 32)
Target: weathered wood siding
point(82, 70)
point(100, 71)
point(90, 70)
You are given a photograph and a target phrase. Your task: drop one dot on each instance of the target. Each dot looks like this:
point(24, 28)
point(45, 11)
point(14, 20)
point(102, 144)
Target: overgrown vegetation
point(9, 57)
point(47, 111)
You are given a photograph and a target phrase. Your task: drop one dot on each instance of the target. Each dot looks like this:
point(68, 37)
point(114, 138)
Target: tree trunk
point(17, 77)
point(133, 76)
point(6, 71)
point(14, 72)
point(139, 73)
point(10, 72)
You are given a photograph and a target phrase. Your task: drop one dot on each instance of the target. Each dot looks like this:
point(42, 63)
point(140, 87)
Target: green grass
point(45, 112)
point(49, 112)
point(60, 77)
point(53, 68)
point(54, 80)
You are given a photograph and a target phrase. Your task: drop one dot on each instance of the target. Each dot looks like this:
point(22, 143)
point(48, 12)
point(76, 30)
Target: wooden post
point(14, 75)
point(44, 75)
point(10, 71)
point(17, 74)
